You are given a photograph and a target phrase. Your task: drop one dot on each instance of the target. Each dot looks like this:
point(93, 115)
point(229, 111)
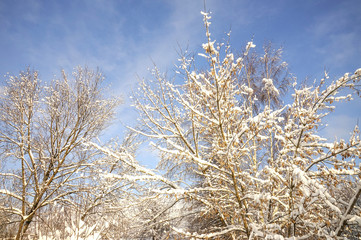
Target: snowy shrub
point(251, 165)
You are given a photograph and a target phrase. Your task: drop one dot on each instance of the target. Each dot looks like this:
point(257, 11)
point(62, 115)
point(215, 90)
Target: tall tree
point(258, 67)
point(42, 127)
point(252, 174)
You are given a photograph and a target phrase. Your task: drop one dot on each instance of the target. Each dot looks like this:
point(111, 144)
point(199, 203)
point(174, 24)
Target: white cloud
point(183, 27)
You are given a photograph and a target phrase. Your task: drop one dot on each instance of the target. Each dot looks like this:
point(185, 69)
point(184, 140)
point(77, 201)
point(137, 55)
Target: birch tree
point(265, 174)
point(266, 65)
point(42, 127)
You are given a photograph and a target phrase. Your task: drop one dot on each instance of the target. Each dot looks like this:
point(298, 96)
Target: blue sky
point(124, 37)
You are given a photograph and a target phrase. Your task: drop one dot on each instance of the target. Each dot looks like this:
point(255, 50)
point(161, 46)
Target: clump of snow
point(268, 86)
point(209, 47)
point(248, 47)
point(355, 219)
point(206, 14)
point(247, 90)
point(358, 72)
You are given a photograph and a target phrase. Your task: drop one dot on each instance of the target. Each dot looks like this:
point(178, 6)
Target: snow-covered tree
point(42, 127)
point(265, 174)
point(267, 65)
